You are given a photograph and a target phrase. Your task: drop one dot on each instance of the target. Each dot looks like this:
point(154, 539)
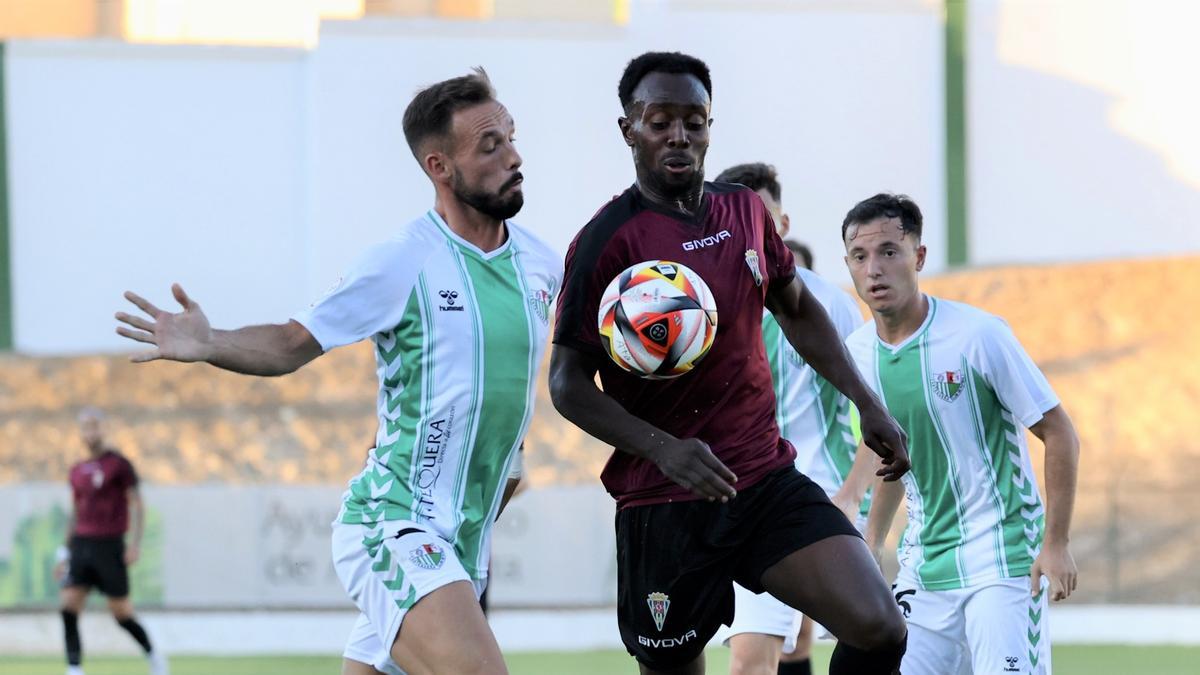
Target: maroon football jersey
point(98, 487)
point(727, 400)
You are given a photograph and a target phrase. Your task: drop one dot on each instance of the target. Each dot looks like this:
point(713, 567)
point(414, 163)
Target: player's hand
point(883, 435)
point(1056, 563)
point(185, 336)
point(132, 555)
point(690, 463)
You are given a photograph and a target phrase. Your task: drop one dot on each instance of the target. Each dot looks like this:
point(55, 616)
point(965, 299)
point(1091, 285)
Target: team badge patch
point(539, 302)
point(659, 604)
point(948, 385)
point(752, 263)
point(428, 556)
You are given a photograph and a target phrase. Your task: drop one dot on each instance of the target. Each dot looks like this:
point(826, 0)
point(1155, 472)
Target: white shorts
point(764, 615)
point(992, 629)
point(386, 568)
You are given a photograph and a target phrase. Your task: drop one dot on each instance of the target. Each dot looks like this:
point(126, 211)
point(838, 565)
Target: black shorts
point(676, 561)
point(99, 563)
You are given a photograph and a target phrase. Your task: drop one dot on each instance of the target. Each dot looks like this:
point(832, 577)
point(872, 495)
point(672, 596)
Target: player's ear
point(785, 225)
point(437, 166)
point(920, 257)
point(626, 127)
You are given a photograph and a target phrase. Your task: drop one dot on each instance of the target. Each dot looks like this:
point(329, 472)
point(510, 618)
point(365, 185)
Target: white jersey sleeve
point(842, 309)
point(1018, 382)
point(371, 296)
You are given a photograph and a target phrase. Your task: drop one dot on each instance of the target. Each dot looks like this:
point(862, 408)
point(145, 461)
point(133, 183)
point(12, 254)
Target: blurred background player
point(980, 551)
point(707, 490)
point(815, 417)
point(457, 305)
point(106, 504)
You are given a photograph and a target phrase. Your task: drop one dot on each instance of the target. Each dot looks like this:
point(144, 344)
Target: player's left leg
point(1007, 629)
point(808, 555)
point(799, 660)
point(114, 583)
point(763, 627)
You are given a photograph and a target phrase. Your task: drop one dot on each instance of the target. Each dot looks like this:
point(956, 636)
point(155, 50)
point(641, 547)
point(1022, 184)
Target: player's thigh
point(402, 578)
point(937, 639)
point(754, 654)
point(804, 643)
point(353, 667)
point(73, 598)
point(674, 585)
point(763, 615)
point(932, 653)
point(837, 583)
point(121, 608)
point(112, 574)
point(447, 633)
point(1008, 630)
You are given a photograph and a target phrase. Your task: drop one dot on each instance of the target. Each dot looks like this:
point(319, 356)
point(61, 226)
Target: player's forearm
point(577, 398)
point(862, 474)
point(1062, 469)
point(885, 500)
point(137, 521)
point(266, 350)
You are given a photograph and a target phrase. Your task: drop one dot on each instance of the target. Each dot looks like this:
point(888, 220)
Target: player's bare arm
point(1057, 433)
point(137, 520)
point(814, 337)
point(885, 501)
point(186, 336)
point(849, 497)
point(689, 461)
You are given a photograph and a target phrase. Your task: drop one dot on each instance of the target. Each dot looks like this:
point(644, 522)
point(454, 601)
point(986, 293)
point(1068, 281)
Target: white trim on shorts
point(386, 585)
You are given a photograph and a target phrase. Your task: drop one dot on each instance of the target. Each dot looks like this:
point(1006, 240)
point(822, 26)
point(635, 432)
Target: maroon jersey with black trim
point(727, 400)
point(99, 486)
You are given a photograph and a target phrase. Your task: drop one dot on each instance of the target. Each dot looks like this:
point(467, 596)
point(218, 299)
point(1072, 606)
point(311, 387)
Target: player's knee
point(882, 629)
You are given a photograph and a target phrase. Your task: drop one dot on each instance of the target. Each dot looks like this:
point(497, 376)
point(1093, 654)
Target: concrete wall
point(254, 176)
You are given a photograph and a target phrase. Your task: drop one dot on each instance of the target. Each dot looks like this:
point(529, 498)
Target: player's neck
point(687, 203)
point(896, 326)
point(485, 232)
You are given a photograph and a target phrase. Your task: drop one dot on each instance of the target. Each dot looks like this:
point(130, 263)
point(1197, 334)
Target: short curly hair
point(674, 63)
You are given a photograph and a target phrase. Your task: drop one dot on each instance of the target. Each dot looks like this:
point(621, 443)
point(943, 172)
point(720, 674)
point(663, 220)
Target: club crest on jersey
point(428, 556)
point(752, 263)
point(659, 604)
point(539, 302)
point(948, 385)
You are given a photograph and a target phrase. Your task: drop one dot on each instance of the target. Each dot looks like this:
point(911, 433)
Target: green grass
point(1070, 660)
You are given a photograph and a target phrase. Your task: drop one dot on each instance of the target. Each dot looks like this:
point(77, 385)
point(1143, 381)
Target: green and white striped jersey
point(459, 335)
point(962, 387)
point(812, 414)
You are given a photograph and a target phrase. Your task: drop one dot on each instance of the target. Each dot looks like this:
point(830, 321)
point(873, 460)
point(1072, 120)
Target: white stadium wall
point(254, 176)
point(134, 166)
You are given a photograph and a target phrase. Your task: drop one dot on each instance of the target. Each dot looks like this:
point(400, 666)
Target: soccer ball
point(657, 319)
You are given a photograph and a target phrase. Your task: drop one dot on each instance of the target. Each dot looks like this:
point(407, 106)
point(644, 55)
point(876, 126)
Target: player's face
point(91, 431)
point(667, 128)
point(782, 223)
point(485, 162)
point(884, 262)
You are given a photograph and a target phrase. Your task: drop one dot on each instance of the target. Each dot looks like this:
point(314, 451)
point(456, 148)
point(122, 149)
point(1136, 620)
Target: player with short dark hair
point(767, 636)
point(105, 500)
point(457, 305)
point(981, 554)
point(706, 489)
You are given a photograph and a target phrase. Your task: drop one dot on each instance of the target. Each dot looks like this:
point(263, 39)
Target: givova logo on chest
point(711, 240)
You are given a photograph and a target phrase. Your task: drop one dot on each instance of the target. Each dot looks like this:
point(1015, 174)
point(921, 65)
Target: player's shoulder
point(532, 245)
point(409, 243)
point(736, 190)
point(970, 321)
point(863, 337)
